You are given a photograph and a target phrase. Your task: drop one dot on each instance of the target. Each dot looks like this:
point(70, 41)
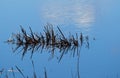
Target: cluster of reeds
point(49, 40)
point(12, 73)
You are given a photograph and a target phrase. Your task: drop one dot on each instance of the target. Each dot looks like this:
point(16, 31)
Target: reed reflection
point(50, 40)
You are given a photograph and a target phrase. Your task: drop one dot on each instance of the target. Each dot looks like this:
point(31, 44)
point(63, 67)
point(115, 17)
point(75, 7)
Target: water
point(98, 19)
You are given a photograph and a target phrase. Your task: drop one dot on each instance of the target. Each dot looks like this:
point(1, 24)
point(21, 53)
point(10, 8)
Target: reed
point(20, 71)
point(50, 40)
point(34, 73)
point(14, 73)
point(45, 73)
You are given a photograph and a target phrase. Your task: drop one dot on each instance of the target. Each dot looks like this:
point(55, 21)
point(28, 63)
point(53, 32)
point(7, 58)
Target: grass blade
point(45, 73)
point(34, 74)
point(20, 72)
point(13, 72)
point(61, 33)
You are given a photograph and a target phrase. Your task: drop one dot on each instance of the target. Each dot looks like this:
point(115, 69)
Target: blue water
point(98, 19)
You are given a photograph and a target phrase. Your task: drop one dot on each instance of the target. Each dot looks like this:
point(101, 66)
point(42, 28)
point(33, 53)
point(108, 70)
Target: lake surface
point(99, 20)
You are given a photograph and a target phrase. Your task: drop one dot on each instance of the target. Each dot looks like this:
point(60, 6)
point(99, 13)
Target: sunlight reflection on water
point(80, 14)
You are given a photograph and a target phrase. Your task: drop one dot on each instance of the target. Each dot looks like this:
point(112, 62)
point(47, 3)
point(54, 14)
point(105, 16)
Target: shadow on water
point(50, 40)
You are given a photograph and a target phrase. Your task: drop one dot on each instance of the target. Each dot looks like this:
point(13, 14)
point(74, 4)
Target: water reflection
point(102, 58)
point(50, 40)
point(80, 13)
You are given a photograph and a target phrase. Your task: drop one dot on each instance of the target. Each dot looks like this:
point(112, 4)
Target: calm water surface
point(98, 19)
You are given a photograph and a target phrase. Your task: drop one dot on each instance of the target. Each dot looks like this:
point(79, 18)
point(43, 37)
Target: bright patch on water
point(80, 13)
